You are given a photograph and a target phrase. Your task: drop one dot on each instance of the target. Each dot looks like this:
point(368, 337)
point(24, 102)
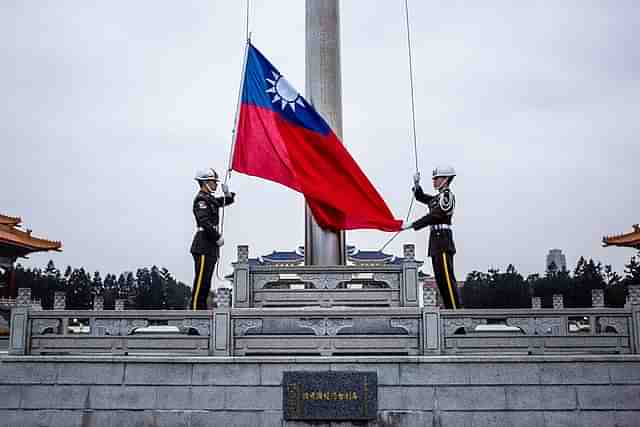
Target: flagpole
point(234, 136)
point(234, 132)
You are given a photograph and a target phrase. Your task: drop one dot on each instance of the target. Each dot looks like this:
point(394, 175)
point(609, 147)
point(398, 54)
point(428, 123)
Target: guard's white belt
point(441, 227)
point(202, 228)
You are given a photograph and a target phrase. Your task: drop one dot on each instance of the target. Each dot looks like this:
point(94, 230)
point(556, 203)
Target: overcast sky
point(107, 108)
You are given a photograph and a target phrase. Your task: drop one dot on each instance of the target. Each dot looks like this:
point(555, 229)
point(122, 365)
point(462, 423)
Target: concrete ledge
point(145, 358)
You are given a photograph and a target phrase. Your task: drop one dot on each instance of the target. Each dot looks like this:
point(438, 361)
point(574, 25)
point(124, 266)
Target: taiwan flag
point(281, 137)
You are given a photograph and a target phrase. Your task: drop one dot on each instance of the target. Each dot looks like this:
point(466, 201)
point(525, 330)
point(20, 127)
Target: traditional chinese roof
point(15, 242)
point(631, 240)
point(9, 220)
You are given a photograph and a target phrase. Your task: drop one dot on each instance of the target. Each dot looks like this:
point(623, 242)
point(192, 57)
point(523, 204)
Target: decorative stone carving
point(620, 324)
point(536, 303)
point(243, 253)
point(558, 301)
point(261, 279)
point(241, 326)
point(547, 325)
point(200, 325)
point(391, 279)
point(409, 251)
point(39, 326)
point(523, 323)
point(325, 280)
point(318, 326)
point(409, 325)
point(223, 296)
point(134, 324)
point(98, 303)
point(24, 296)
point(59, 300)
point(633, 298)
point(113, 327)
point(597, 298)
point(119, 305)
point(333, 326)
point(469, 324)
point(429, 297)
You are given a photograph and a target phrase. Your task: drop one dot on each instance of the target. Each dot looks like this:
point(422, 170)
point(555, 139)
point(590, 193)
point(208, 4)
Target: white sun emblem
point(285, 93)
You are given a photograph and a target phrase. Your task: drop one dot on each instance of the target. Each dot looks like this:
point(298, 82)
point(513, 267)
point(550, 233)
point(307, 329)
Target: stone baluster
point(536, 303)
point(24, 297)
point(597, 298)
point(98, 303)
point(558, 301)
point(59, 300)
point(119, 305)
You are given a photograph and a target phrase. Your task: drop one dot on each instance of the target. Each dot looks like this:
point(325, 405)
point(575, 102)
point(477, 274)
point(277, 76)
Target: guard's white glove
point(225, 189)
point(405, 225)
point(220, 241)
point(416, 179)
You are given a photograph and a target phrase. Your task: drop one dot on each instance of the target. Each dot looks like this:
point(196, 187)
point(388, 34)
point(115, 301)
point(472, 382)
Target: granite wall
point(413, 391)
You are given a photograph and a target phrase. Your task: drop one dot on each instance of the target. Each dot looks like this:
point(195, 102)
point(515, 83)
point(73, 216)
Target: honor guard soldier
point(208, 239)
point(441, 246)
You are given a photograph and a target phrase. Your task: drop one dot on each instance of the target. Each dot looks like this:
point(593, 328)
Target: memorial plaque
point(330, 395)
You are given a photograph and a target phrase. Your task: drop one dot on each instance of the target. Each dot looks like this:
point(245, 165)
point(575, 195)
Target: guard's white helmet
point(207, 175)
point(445, 170)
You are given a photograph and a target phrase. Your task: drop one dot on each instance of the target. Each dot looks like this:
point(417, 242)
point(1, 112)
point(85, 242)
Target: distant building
point(16, 243)
point(555, 258)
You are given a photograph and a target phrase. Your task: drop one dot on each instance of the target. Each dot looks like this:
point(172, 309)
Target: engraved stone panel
point(241, 326)
point(409, 325)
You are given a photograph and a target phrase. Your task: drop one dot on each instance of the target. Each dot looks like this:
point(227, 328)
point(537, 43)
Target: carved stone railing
point(327, 331)
point(119, 332)
point(584, 330)
point(262, 286)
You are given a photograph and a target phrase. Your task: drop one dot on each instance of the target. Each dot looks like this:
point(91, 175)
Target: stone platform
point(444, 391)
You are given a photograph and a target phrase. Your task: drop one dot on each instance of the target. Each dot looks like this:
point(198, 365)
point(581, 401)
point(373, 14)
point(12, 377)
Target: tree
point(632, 270)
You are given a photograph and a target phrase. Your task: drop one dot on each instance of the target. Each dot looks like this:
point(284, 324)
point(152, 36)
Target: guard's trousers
point(443, 271)
point(204, 266)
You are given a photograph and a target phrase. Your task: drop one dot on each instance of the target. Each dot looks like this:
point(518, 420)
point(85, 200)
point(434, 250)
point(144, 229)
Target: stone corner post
point(431, 343)
point(18, 336)
point(409, 284)
point(221, 333)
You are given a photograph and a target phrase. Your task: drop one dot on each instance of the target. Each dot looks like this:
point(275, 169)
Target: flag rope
point(413, 119)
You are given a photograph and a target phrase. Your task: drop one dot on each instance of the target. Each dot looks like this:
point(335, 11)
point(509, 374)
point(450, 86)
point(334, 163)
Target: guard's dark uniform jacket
point(205, 210)
point(441, 246)
point(205, 248)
